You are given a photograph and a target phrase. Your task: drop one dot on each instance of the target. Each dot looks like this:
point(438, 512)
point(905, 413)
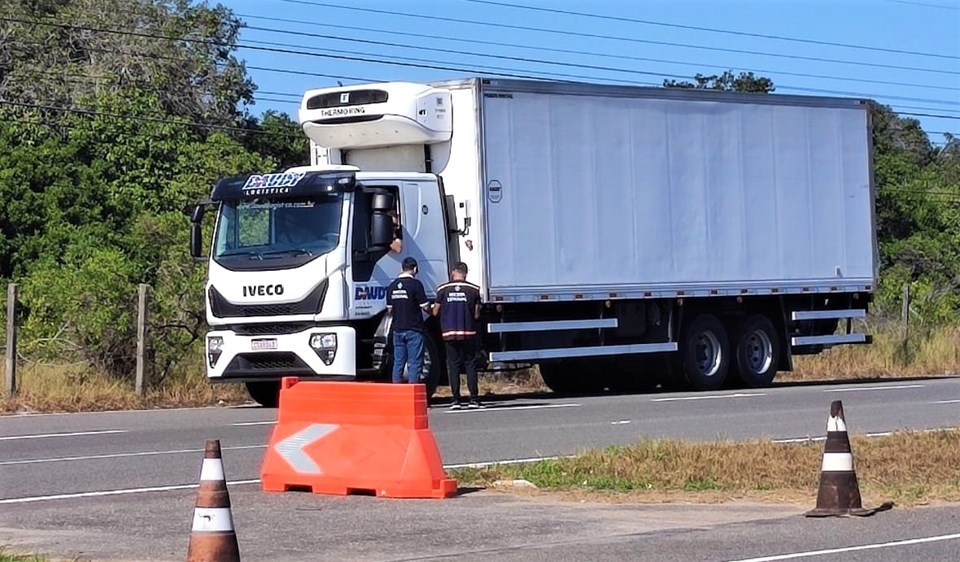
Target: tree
point(59, 52)
point(278, 136)
point(743, 82)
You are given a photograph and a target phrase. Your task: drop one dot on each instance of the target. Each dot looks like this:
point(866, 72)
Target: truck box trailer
point(622, 237)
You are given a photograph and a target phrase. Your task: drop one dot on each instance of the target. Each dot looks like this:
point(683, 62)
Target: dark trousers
point(462, 353)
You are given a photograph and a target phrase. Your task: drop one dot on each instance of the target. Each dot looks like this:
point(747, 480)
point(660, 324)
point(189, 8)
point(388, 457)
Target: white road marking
point(874, 434)
point(128, 491)
point(123, 455)
point(513, 408)
point(73, 434)
point(708, 397)
point(855, 389)
point(800, 440)
point(121, 492)
point(510, 461)
point(267, 422)
point(621, 422)
point(947, 402)
point(812, 553)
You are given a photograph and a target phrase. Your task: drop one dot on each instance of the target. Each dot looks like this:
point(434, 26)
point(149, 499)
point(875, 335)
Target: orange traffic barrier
point(354, 438)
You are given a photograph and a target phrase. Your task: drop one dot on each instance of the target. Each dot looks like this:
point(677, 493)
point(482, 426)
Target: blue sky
point(923, 84)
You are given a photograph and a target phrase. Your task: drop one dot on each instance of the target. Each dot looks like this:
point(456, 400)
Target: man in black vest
point(406, 299)
point(458, 304)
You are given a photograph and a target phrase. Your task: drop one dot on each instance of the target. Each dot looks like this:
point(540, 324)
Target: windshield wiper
point(293, 252)
point(251, 255)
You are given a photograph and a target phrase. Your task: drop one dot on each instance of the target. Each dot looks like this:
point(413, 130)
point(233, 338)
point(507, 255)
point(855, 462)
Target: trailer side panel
point(587, 195)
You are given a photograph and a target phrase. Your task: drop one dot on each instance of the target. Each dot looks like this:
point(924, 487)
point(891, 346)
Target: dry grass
point(909, 468)
point(6, 556)
point(934, 353)
point(46, 388)
point(76, 388)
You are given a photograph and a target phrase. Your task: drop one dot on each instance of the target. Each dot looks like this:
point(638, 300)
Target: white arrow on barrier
point(291, 448)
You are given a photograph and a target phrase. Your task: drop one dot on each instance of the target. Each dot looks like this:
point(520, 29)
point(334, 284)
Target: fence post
point(11, 353)
point(141, 337)
point(905, 320)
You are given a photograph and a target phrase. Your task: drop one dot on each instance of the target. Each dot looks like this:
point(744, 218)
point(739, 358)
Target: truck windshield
point(251, 231)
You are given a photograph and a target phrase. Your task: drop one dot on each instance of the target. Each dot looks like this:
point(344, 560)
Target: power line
point(94, 113)
point(544, 61)
point(711, 29)
point(924, 4)
point(437, 65)
point(364, 58)
point(501, 25)
point(467, 53)
point(569, 51)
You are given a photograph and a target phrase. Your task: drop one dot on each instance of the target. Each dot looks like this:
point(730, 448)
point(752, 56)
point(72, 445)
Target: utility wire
point(501, 25)
point(94, 113)
point(436, 65)
point(567, 51)
point(923, 4)
point(545, 61)
point(711, 29)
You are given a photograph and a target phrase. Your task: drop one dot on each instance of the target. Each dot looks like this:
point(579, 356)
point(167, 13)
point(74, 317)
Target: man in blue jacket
point(407, 300)
point(458, 304)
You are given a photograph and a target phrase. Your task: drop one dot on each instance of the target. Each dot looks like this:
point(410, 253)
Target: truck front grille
point(267, 362)
point(268, 329)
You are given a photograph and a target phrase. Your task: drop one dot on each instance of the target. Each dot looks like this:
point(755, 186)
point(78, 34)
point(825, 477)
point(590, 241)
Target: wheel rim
point(709, 354)
point(759, 351)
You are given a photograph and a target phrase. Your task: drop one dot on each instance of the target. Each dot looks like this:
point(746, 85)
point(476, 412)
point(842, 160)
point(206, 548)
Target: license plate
point(260, 345)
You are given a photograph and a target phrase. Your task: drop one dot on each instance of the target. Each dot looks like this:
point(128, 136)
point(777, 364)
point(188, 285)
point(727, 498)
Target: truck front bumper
point(324, 352)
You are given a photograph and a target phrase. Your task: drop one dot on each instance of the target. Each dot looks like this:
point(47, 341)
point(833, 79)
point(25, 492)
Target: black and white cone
point(212, 537)
point(839, 492)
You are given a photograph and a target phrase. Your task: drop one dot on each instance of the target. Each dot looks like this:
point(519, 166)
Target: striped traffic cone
point(839, 492)
point(212, 538)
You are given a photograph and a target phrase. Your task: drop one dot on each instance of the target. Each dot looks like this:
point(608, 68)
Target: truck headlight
point(325, 346)
point(214, 349)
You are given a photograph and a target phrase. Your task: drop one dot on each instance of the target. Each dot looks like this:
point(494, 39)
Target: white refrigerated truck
point(622, 237)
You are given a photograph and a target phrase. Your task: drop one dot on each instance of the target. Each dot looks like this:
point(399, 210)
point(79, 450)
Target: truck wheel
point(265, 393)
point(704, 355)
point(757, 352)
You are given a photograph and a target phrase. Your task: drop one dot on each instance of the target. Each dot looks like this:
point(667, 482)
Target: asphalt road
point(119, 485)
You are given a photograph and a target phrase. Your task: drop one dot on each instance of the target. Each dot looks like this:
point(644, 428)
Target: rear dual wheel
point(704, 356)
point(757, 353)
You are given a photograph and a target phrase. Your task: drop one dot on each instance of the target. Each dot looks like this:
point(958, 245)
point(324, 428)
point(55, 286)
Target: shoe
point(455, 406)
point(475, 405)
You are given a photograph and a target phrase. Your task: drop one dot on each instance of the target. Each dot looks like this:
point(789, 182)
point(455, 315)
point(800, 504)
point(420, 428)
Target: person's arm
point(397, 245)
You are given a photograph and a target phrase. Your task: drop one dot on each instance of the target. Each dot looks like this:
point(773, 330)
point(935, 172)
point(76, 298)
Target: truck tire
point(757, 352)
point(265, 393)
point(704, 355)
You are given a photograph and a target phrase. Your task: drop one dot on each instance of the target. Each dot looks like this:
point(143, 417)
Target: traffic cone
point(839, 492)
point(212, 538)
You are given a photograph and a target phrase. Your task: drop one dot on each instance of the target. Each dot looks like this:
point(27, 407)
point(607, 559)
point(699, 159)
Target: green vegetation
point(107, 134)
point(6, 556)
point(909, 468)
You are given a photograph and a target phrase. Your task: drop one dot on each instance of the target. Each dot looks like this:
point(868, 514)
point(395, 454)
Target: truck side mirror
point(196, 231)
point(381, 229)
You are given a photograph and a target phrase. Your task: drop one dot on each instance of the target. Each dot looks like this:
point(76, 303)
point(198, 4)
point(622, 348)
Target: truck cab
point(301, 258)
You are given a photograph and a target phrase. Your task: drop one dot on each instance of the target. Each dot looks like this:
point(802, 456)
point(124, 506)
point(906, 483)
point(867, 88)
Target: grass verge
point(909, 468)
point(76, 388)
point(71, 388)
point(6, 556)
